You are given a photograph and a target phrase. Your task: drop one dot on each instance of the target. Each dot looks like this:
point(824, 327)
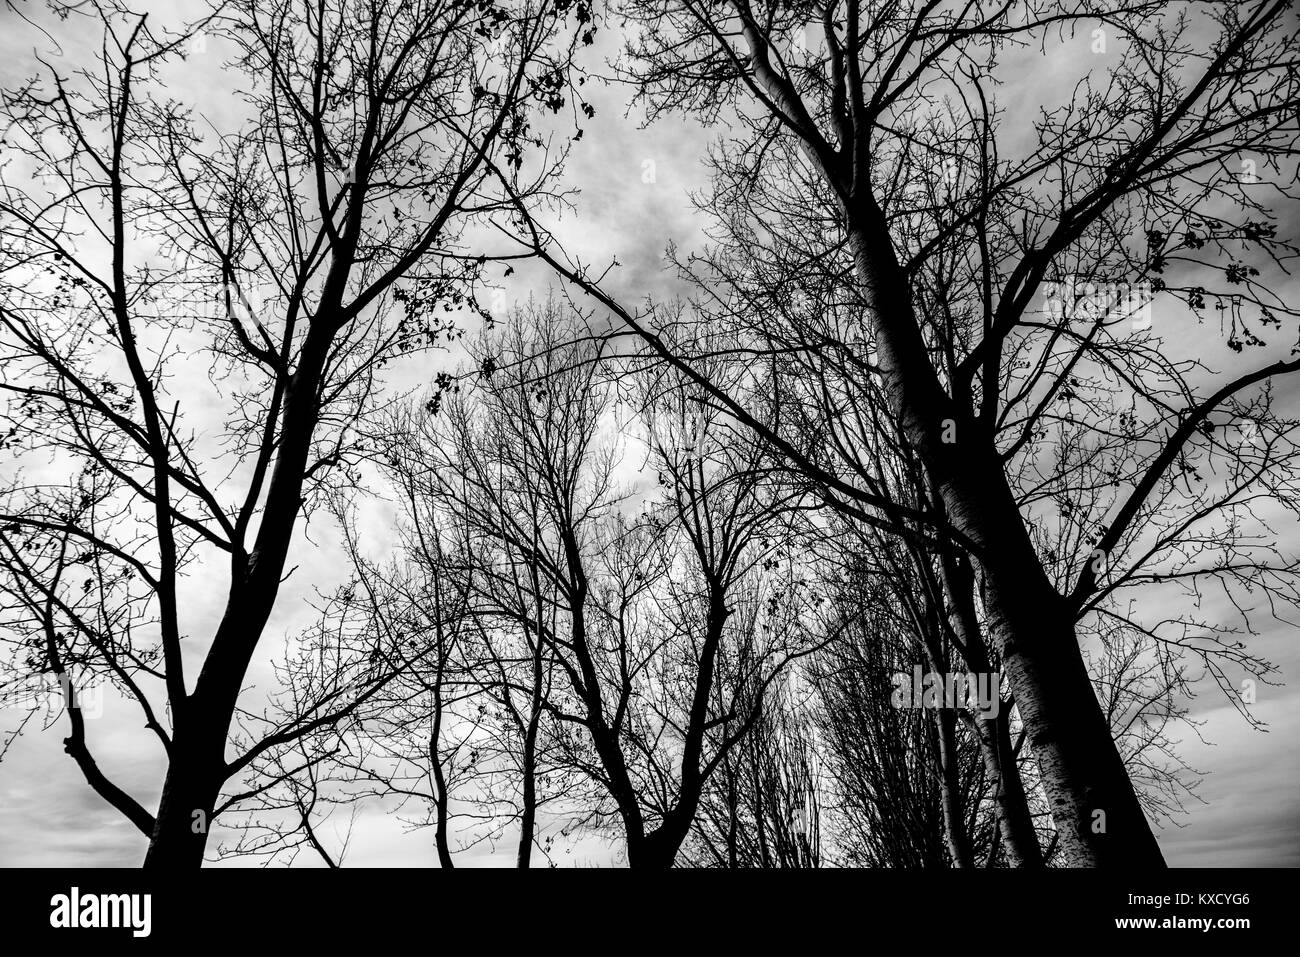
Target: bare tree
point(370, 138)
point(944, 251)
point(883, 762)
point(634, 628)
point(763, 805)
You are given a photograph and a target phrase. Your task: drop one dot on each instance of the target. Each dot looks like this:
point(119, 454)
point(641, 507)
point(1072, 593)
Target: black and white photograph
point(649, 435)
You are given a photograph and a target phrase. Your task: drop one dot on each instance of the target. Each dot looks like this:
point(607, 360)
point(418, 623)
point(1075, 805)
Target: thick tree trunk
point(657, 851)
point(193, 783)
point(1098, 817)
point(1099, 820)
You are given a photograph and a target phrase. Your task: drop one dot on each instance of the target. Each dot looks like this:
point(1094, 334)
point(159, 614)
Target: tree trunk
point(1015, 825)
point(1098, 817)
point(657, 851)
point(954, 822)
point(1099, 820)
point(197, 765)
point(194, 778)
point(441, 800)
point(528, 812)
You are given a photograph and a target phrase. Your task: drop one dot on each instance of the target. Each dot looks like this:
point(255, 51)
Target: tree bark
point(1098, 817)
point(1015, 825)
point(950, 783)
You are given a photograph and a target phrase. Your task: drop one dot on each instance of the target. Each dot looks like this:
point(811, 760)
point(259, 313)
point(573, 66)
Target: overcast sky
point(49, 816)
